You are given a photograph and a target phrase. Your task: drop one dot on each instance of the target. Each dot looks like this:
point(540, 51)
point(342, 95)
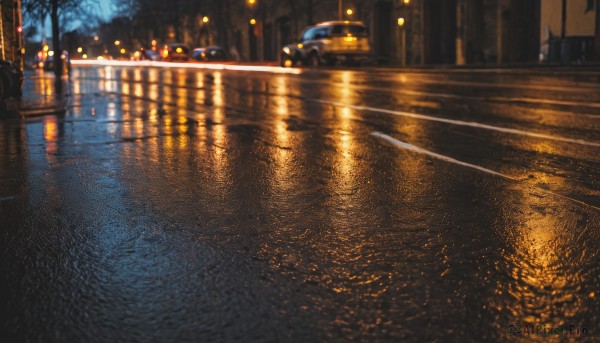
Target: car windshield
point(355, 30)
point(217, 53)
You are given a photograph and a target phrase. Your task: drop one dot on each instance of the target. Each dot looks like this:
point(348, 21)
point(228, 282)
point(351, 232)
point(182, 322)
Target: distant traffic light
point(20, 29)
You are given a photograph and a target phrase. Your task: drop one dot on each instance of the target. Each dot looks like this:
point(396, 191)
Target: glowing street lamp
point(96, 38)
point(252, 21)
point(251, 2)
point(349, 12)
point(205, 20)
point(117, 43)
point(401, 22)
point(79, 50)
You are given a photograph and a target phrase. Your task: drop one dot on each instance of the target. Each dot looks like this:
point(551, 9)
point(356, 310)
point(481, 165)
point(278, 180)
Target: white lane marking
point(461, 123)
point(406, 146)
point(403, 145)
point(7, 198)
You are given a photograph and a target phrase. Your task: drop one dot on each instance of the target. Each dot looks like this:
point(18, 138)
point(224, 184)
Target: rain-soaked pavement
point(174, 204)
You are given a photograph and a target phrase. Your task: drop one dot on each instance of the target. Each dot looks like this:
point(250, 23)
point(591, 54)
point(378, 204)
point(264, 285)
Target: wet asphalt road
point(173, 205)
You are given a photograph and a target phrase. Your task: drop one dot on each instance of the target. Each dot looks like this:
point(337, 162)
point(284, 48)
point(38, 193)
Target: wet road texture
point(188, 205)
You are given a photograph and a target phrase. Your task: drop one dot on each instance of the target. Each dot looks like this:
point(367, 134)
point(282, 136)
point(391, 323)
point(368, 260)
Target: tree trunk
point(57, 49)
point(563, 27)
point(597, 43)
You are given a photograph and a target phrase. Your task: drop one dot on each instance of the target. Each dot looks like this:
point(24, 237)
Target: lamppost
point(401, 24)
point(402, 21)
point(206, 27)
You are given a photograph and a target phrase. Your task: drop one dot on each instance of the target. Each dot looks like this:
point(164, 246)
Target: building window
point(591, 4)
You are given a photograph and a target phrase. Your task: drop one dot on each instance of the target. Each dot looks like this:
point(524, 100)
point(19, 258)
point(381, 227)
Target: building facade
point(433, 31)
point(11, 41)
point(570, 30)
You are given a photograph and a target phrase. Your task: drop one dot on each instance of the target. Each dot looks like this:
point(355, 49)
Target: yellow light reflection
point(544, 287)
point(109, 84)
point(76, 98)
point(153, 91)
point(125, 89)
point(51, 135)
point(50, 130)
point(111, 110)
point(138, 90)
point(152, 75)
point(218, 99)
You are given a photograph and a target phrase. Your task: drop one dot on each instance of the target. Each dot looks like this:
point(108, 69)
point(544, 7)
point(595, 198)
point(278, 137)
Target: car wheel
point(314, 60)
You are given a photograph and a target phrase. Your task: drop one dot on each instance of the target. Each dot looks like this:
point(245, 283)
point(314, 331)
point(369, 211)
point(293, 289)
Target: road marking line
point(461, 123)
point(7, 198)
point(406, 146)
point(410, 147)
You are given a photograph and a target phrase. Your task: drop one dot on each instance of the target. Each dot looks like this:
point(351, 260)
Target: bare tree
point(56, 9)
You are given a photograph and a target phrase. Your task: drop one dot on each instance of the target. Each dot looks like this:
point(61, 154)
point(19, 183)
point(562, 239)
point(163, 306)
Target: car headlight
point(286, 50)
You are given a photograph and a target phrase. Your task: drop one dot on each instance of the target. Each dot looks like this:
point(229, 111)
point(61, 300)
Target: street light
point(117, 42)
point(349, 12)
point(96, 38)
point(205, 20)
point(79, 50)
point(252, 21)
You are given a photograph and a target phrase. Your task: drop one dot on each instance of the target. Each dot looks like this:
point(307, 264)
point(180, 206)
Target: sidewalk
point(32, 103)
point(38, 107)
point(14, 108)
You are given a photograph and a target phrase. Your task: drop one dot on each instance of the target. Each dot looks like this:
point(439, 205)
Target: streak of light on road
point(212, 66)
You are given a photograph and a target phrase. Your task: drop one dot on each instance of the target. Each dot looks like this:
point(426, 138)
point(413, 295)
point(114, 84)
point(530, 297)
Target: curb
point(35, 112)
point(35, 109)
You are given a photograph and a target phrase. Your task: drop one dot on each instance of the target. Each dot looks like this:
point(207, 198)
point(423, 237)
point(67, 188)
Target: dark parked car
point(11, 80)
point(176, 52)
point(49, 62)
point(328, 43)
point(209, 54)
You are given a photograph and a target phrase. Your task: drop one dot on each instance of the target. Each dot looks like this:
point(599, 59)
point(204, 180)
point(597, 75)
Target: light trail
point(208, 66)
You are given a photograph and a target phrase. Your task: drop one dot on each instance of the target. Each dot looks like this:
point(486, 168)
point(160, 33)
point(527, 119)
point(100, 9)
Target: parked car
point(328, 43)
point(11, 80)
point(176, 52)
point(209, 54)
point(49, 62)
point(150, 55)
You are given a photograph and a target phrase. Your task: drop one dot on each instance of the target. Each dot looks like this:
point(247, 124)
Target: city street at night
point(175, 203)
